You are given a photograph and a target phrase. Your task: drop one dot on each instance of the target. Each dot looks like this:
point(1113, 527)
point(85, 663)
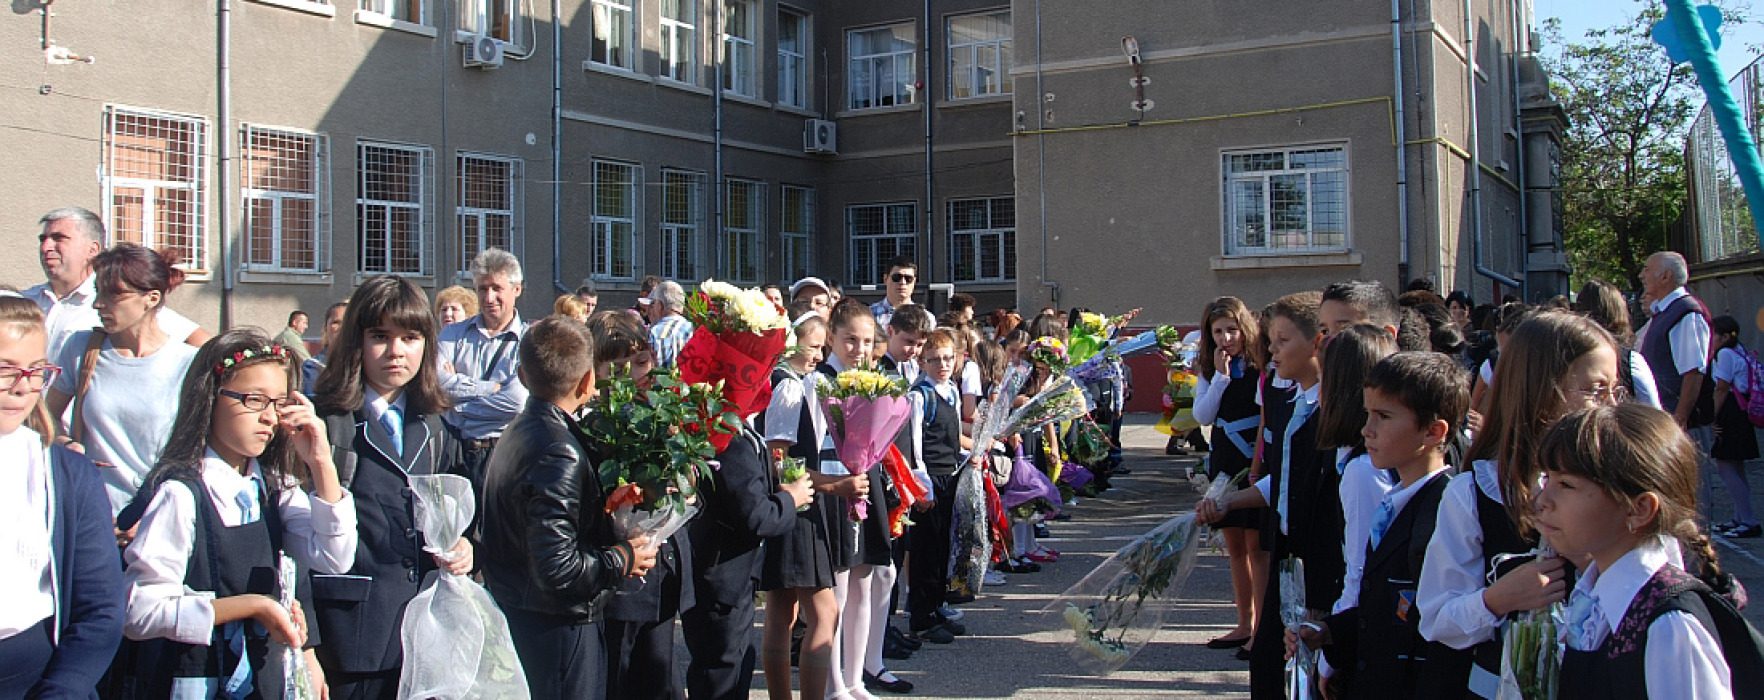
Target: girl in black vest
point(382, 401)
point(1225, 398)
point(228, 496)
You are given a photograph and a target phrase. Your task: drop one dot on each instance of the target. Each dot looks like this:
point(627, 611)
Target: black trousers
point(929, 569)
point(1268, 653)
point(720, 639)
point(26, 655)
point(562, 658)
point(640, 660)
point(380, 685)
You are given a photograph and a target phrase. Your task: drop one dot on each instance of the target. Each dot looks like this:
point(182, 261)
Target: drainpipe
point(1519, 43)
point(557, 148)
point(716, 186)
point(930, 215)
point(1474, 173)
point(1402, 155)
point(223, 149)
point(1041, 158)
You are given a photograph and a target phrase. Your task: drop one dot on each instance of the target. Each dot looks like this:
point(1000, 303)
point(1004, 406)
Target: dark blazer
point(89, 594)
point(548, 545)
point(360, 611)
point(743, 506)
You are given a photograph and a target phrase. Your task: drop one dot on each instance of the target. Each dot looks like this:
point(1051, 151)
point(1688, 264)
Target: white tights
point(1022, 539)
point(863, 618)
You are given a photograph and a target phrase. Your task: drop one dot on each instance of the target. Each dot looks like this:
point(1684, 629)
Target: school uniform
point(818, 544)
point(937, 426)
point(1227, 401)
point(359, 612)
point(1641, 631)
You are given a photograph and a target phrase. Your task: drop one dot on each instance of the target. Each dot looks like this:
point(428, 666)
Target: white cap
point(808, 282)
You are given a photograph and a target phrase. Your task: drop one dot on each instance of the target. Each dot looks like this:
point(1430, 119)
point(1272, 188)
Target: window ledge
point(375, 19)
point(673, 84)
point(988, 286)
point(604, 284)
point(618, 72)
point(798, 111)
point(307, 6)
point(868, 111)
point(746, 100)
point(285, 277)
point(420, 279)
point(957, 103)
point(1273, 262)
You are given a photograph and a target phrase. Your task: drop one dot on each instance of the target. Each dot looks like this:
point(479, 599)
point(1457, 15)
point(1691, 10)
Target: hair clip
point(246, 354)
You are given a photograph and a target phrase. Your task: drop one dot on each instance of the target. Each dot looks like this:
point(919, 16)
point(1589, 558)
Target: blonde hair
point(21, 316)
point(457, 295)
point(569, 305)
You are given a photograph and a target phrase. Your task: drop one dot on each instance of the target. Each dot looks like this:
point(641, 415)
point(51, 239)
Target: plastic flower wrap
point(973, 536)
point(1301, 669)
point(1531, 645)
point(1117, 608)
point(296, 678)
point(1090, 335)
point(1062, 400)
point(456, 641)
point(865, 410)
point(907, 489)
point(738, 336)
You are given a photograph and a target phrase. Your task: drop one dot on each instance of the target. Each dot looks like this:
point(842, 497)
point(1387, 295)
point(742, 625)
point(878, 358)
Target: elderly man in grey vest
point(1675, 342)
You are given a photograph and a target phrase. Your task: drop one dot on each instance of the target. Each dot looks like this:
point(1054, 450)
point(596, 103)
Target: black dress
point(1736, 440)
point(1234, 440)
point(867, 541)
point(819, 543)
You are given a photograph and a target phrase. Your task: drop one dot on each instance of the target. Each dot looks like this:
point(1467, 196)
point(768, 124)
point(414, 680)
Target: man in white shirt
point(71, 237)
point(479, 364)
point(902, 277)
point(668, 330)
point(1675, 341)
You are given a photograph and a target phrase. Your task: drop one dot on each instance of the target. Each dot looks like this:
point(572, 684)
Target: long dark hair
point(1347, 359)
point(383, 300)
point(183, 453)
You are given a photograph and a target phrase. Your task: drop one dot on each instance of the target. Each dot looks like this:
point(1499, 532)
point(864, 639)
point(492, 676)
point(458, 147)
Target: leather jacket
point(548, 545)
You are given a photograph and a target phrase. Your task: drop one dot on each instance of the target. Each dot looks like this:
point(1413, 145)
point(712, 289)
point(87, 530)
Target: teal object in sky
point(1666, 35)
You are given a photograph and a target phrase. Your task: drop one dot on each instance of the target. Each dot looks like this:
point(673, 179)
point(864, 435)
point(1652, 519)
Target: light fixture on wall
point(1130, 47)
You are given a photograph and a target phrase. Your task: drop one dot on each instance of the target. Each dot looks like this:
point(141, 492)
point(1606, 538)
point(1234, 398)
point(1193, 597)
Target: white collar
point(225, 483)
point(1617, 587)
point(377, 404)
point(514, 326)
point(1307, 395)
point(1487, 476)
point(1667, 300)
point(81, 295)
point(1400, 496)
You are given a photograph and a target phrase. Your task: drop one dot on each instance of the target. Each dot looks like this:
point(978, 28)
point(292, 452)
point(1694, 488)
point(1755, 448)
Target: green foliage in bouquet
point(658, 438)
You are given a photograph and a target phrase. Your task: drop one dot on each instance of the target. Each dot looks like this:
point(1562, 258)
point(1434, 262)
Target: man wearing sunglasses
point(903, 275)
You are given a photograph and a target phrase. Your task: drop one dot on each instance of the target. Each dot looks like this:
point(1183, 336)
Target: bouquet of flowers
point(296, 678)
point(1062, 400)
point(738, 336)
point(790, 471)
point(1117, 608)
point(1051, 352)
point(1301, 669)
point(655, 445)
point(907, 489)
point(1531, 645)
point(865, 410)
point(1091, 334)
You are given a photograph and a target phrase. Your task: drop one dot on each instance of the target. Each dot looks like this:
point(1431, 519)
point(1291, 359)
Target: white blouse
point(1363, 487)
point(26, 513)
point(317, 534)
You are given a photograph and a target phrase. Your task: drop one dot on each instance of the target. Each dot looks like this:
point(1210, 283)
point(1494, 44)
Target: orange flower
point(627, 495)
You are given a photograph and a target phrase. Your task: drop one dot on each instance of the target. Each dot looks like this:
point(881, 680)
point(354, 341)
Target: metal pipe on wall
point(224, 105)
point(717, 141)
point(1474, 171)
point(1524, 230)
point(557, 147)
point(1041, 158)
point(1402, 149)
point(930, 215)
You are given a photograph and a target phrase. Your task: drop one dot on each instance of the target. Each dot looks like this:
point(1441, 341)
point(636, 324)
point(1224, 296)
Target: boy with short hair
point(907, 331)
point(1414, 400)
point(936, 429)
point(1359, 301)
point(540, 479)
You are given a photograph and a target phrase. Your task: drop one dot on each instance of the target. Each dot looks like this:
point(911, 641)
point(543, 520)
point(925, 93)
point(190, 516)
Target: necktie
point(248, 500)
point(1586, 627)
point(1381, 522)
point(393, 419)
point(1301, 409)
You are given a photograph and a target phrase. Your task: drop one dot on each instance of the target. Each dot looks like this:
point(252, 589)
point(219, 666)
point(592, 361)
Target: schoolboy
point(1413, 402)
point(1359, 301)
point(907, 332)
point(936, 428)
point(554, 586)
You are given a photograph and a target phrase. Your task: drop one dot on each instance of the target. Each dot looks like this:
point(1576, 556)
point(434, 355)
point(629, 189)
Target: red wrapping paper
point(906, 486)
point(742, 361)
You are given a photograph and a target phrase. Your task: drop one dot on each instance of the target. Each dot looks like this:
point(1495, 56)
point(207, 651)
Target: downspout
point(930, 214)
point(717, 141)
point(224, 105)
point(1041, 159)
point(557, 148)
point(1474, 174)
point(1520, 41)
point(1402, 155)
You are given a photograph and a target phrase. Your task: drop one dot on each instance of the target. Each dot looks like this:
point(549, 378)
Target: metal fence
point(1722, 221)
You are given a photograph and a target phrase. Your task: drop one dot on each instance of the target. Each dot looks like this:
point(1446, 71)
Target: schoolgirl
point(1351, 354)
point(1226, 378)
point(63, 614)
point(381, 402)
point(226, 499)
point(1735, 442)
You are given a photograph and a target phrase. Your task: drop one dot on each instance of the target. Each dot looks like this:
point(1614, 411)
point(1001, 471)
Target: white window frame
point(194, 181)
point(748, 241)
point(796, 248)
point(795, 71)
point(1001, 63)
point(740, 69)
point(478, 216)
point(602, 12)
point(607, 229)
point(903, 240)
point(678, 52)
point(399, 10)
point(423, 208)
point(319, 199)
point(861, 75)
point(1268, 241)
point(483, 17)
point(1000, 236)
point(681, 224)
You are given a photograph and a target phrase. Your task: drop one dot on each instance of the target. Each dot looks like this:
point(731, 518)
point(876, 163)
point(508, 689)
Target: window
point(154, 181)
point(744, 204)
point(489, 208)
point(497, 19)
point(614, 224)
point(679, 40)
point(1286, 200)
point(392, 208)
point(881, 72)
point(979, 55)
point(983, 239)
point(412, 11)
point(614, 42)
point(286, 197)
point(682, 193)
point(793, 63)
point(738, 51)
point(878, 233)
point(797, 232)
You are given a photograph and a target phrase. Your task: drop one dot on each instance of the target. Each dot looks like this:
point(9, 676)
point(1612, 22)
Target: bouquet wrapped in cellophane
point(737, 338)
point(1117, 608)
point(973, 523)
point(296, 677)
point(865, 409)
point(1531, 644)
point(655, 446)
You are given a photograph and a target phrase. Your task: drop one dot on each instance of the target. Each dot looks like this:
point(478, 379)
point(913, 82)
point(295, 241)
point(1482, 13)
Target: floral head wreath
point(249, 353)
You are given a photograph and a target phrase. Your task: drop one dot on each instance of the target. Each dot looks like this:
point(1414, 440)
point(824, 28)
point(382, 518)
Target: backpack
point(1741, 644)
point(1753, 400)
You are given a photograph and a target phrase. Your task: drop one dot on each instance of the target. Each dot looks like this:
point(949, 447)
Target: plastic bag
point(456, 641)
point(296, 679)
point(1301, 669)
point(973, 534)
point(1531, 646)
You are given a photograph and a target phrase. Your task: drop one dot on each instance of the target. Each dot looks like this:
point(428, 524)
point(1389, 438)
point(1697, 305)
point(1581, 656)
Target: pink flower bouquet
point(865, 411)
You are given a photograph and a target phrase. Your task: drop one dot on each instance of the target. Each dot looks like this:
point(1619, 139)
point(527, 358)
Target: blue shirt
point(667, 336)
point(481, 361)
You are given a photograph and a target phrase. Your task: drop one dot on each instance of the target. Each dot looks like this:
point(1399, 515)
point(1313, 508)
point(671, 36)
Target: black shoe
point(1223, 643)
point(1122, 471)
point(1041, 530)
point(1061, 516)
point(1745, 532)
point(1018, 567)
point(934, 634)
point(901, 638)
point(1243, 654)
point(895, 651)
point(956, 628)
point(954, 598)
point(898, 685)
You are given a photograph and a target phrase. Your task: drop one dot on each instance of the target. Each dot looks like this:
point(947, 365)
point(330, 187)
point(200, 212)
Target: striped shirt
point(668, 336)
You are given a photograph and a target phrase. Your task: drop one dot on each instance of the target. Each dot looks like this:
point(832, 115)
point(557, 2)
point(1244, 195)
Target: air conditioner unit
point(820, 136)
point(483, 52)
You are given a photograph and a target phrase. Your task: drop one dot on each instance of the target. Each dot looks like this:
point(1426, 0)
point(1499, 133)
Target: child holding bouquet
point(937, 446)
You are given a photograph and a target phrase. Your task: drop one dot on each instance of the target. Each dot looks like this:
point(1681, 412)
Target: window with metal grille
point(979, 55)
point(154, 181)
point(614, 223)
point(393, 215)
point(497, 19)
point(881, 68)
point(983, 239)
point(412, 11)
point(738, 47)
point(614, 41)
point(876, 234)
point(682, 193)
point(285, 191)
point(1286, 200)
point(744, 210)
point(796, 232)
point(489, 209)
point(793, 63)
point(679, 40)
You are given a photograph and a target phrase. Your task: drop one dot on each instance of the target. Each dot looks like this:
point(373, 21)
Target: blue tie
point(248, 499)
point(393, 419)
point(1301, 409)
point(1584, 622)
point(1381, 521)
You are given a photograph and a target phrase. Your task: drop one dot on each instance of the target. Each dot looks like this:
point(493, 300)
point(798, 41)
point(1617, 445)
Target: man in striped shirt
point(668, 330)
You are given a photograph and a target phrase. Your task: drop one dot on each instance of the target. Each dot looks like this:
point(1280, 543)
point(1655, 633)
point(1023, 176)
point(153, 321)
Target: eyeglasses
point(902, 278)
point(1610, 396)
point(35, 378)
point(258, 402)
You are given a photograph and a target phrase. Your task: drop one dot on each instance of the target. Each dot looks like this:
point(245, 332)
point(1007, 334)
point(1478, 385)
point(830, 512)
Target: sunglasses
point(902, 278)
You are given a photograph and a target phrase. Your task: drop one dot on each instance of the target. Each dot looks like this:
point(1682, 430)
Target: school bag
point(1753, 400)
point(1742, 647)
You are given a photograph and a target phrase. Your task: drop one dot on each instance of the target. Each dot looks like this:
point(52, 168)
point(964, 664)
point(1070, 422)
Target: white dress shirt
point(317, 534)
point(784, 414)
point(1641, 375)
point(26, 514)
point(1681, 658)
point(1208, 395)
point(1689, 339)
point(1363, 487)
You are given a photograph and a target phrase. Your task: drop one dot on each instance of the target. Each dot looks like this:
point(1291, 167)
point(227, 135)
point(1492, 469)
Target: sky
point(1739, 44)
